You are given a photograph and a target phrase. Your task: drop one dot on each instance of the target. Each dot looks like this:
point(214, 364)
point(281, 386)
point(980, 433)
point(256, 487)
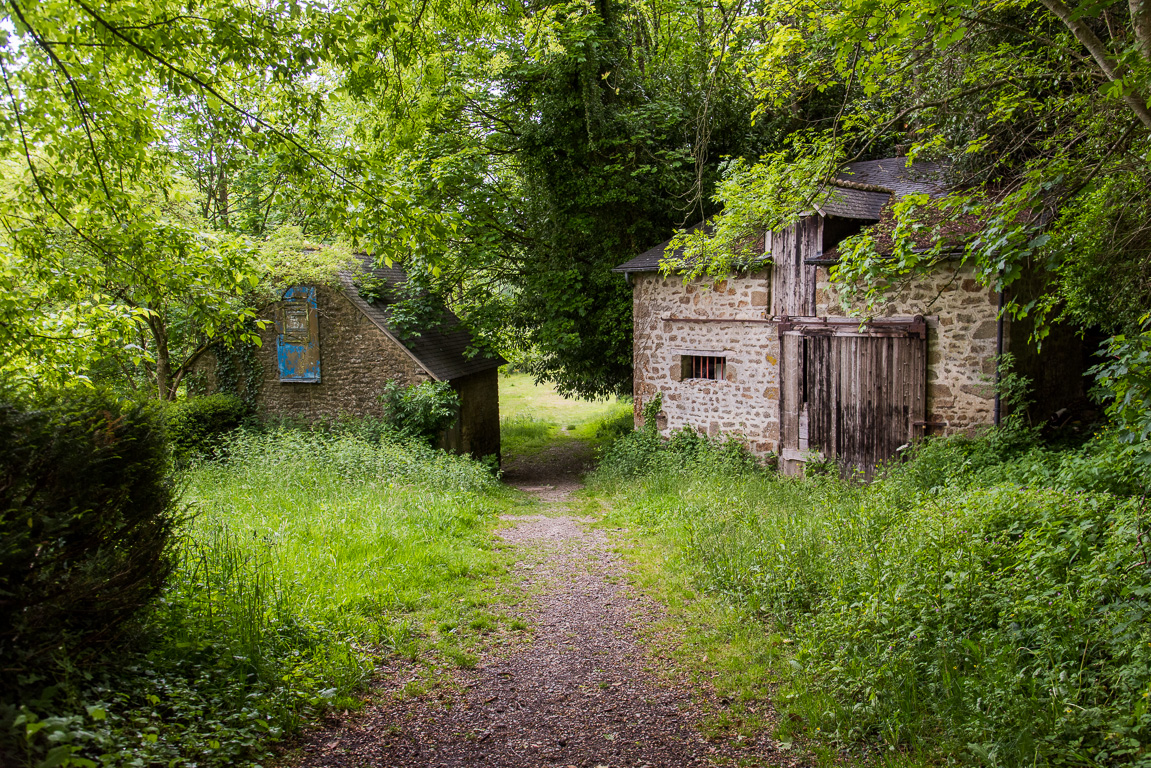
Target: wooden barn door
point(855, 394)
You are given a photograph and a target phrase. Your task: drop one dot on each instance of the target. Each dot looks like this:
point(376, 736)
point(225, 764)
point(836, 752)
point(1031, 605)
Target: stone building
point(771, 355)
point(327, 352)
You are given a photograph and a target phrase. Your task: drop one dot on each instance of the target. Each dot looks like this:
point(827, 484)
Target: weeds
point(953, 609)
point(311, 554)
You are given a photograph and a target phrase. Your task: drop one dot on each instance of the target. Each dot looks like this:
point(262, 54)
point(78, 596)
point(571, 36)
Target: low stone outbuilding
point(771, 354)
point(327, 352)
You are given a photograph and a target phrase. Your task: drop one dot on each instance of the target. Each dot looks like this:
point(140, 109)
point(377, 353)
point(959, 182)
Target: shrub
point(645, 451)
point(1124, 383)
point(1103, 464)
point(615, 427)
point(196, 426)
point(86, 512)
point(421, 411)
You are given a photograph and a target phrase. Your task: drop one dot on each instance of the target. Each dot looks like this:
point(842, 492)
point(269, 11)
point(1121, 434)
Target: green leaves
point(120, 119)
point(1035, 116)
point(1123, 382)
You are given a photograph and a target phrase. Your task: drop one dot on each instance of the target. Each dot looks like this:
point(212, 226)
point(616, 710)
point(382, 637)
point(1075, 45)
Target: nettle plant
point(421, 411)
point(1124, 382)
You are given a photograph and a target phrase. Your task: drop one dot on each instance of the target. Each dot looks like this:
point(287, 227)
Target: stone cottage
point(770, 354)
point(327, 352)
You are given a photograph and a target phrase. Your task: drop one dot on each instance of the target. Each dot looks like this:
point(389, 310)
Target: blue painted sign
point(298, 340)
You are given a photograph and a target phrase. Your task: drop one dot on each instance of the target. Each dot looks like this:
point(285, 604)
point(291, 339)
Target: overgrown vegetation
point(309, 556)
point(86, 513)
point(421, 411)
point(983, 603)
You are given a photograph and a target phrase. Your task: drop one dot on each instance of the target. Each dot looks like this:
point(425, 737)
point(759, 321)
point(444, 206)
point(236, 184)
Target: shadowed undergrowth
point(309, 557)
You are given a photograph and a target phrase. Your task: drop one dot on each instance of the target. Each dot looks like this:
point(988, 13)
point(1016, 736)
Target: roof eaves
point(353, 295)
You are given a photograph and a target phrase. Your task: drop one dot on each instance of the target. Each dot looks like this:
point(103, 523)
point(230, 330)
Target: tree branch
point(206, 87)
point(1099, 53)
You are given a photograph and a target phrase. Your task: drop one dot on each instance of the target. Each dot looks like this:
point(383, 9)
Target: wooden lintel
point(854, 326)
point(767, 320)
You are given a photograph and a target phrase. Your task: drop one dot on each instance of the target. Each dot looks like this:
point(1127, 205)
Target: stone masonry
point(961, 319)
point(961, 316)
point(356, 360)
point(746, 403)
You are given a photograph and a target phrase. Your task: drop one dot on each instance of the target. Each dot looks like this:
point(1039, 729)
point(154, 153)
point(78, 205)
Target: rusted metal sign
point(298, 339)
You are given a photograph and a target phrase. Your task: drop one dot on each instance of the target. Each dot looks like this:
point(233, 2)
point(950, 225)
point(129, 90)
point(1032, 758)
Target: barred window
point(704, 367)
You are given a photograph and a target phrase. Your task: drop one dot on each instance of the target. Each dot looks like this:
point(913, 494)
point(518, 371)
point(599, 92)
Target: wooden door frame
point(792, 452)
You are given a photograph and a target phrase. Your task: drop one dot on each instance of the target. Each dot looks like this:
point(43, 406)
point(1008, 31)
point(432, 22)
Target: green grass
point(308, 560)
point(535, 417)
point(914, 621)
point(520, 396)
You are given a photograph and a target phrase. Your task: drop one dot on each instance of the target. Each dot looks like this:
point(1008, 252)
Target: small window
point(704, 367)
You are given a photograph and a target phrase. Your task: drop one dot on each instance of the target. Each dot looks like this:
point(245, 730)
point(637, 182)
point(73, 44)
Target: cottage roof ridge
point(846, 184)
point(439, 350)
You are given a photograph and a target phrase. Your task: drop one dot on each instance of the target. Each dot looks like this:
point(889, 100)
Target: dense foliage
point(146, 149)
point(87, 509)
point(257, 631)
point(421, 411)
point(1034, 114)
point(558, 141)
point(198, 425)
point(985, 602)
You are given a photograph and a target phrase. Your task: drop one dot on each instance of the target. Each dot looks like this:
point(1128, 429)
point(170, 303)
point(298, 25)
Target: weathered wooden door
point(850, 392)
point(298, 336)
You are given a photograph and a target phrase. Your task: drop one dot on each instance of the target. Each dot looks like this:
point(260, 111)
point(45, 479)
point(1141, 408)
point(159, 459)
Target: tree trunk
point(163, 359)
point(222, 197)
point(1141, 22)
point(1099, 52)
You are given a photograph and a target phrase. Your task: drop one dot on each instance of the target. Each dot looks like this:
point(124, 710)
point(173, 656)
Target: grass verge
point(309, 559)
point(970, 621)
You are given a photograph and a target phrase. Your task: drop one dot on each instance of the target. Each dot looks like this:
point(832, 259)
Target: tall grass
point(309, 557)
point(944, 610)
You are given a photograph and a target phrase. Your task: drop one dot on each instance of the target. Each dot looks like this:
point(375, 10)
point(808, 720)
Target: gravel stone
point(578, 690)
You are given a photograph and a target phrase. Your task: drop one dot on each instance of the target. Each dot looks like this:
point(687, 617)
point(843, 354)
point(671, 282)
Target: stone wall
point(356, 360)
point(746, 402)
point(961, 317)
point(962, 321)
point(961, 341)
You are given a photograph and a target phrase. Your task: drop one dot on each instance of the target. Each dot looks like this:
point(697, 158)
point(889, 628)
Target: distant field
point(520, 397)
point(534, 417)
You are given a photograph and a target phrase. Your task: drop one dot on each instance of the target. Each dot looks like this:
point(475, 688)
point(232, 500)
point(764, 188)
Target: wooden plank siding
point(853, 393)
point(793, 281)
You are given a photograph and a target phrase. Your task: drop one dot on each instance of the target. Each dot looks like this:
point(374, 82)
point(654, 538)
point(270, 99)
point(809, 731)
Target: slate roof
point(649, 260)
point(859, 190)
point(852, 203)
point(440, 350)
point(893, 174)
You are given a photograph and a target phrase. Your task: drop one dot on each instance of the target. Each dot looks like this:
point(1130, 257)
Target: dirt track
point(579, 690)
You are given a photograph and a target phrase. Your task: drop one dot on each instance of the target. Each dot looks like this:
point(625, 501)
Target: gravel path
point(577, 691)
